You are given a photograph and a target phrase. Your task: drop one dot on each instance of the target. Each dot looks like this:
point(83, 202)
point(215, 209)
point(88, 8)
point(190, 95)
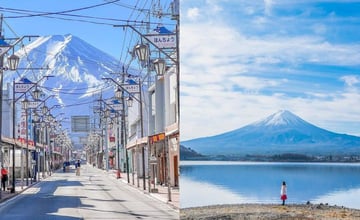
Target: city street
point(92, 195)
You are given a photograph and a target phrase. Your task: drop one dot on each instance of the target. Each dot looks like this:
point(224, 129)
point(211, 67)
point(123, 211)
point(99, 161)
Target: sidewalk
point(162, 193)
point(19, 188)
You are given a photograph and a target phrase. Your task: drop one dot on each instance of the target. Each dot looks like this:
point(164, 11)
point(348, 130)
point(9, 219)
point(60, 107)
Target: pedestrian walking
point(51, 167)
point(77, 165)
point(4, 177)
point(283, 192)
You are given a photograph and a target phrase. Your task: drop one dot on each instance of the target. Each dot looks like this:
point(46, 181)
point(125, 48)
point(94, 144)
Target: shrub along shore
point(269, 211)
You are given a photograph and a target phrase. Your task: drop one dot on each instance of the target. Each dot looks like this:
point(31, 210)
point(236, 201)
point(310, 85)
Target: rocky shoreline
point(269, 211)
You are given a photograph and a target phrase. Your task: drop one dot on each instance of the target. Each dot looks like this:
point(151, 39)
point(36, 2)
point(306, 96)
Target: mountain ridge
point(280, 133)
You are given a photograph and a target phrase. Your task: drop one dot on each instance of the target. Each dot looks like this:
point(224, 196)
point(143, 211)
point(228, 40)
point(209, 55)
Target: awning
point(139, 141)
point(172, 129)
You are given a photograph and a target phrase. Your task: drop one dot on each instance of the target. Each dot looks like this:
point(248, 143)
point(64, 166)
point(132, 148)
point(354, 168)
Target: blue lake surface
point(212, 182)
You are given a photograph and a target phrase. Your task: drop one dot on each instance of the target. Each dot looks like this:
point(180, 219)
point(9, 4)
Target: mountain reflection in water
point(207, 183)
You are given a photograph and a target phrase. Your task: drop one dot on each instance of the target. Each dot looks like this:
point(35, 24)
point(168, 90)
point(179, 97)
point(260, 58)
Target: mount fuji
point(76, 67)
point(279, 133)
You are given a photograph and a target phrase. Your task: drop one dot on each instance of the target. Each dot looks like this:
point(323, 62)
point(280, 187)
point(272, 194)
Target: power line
point(61, 12)
point(30, 13)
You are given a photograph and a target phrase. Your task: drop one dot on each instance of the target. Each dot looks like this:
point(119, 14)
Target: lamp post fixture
point(159, 65)
point(129, 101)
point(13, 64)
point(108, 125)
point(13, 131)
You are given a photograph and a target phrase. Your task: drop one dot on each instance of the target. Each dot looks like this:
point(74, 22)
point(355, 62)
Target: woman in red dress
point(283, 190)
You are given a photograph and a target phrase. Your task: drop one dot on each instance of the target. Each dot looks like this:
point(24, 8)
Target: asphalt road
point(92, 195)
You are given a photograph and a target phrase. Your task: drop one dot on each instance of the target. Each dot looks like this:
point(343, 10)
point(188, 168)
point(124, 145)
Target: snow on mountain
point(282, 132)
point(281, 118)
point(76, 67)
point(69, 59)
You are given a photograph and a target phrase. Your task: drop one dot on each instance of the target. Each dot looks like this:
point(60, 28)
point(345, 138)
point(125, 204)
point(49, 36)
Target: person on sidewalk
point(283, 193)
point(4, 177)
point(77, 165)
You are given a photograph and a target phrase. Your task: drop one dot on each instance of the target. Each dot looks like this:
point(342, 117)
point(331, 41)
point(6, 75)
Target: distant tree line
point(187, 153)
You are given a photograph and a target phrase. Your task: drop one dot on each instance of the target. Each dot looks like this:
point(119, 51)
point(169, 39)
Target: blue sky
point(244, 60)
point(112, 40)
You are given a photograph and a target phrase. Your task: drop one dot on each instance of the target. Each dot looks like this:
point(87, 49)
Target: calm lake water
point(211, 182)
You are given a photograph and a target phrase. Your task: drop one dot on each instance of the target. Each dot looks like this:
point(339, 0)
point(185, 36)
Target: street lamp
point(36, 117)
point(25, 105)
point(118, 93)
point(13, 65)
point(13, 62)
point(142, 52)
point(44, 109)
point(159, 66)
point(36, 93)
point(129, 101)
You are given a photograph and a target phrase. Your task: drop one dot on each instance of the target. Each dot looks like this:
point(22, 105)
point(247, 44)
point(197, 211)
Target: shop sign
point(156, 138)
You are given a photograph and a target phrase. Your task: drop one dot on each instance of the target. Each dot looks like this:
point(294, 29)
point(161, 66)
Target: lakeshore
point(269, 212)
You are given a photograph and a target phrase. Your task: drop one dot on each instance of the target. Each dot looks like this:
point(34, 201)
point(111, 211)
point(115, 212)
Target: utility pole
point(123, 127)
point(1, 95)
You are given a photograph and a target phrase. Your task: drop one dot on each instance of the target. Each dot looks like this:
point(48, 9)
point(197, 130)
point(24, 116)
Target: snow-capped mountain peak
point(281, 118)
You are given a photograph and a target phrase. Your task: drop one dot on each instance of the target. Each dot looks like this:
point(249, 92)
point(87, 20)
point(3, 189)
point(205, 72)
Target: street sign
point(114, 105)
point(131, 88)
point(23, 87)
point(163, 41)
point(117, 107)
point(33, 104)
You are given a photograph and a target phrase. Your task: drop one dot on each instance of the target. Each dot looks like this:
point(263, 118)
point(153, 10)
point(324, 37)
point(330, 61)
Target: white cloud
point(319, 28)
point(193, 13)
point(268, 5)
point(351, 80)
point(227, 73)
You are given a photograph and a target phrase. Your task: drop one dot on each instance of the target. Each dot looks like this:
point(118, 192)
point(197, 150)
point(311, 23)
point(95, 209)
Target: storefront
point(158, 160)
point(172, 142)
point(137, 159)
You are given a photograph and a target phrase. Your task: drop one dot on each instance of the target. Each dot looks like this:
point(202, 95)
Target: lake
point(214, 182)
